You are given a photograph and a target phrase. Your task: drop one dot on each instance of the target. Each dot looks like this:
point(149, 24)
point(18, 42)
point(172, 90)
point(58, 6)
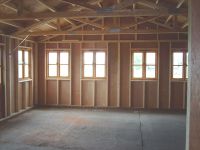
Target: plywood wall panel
point(151, 94)
point(113, 74)
point(64, 93)
point(27, 97)
point(88, 45)
point(124, 74)
point(111, 37)
point(179, 45)
point(168, 36)
point(41, 74)
point(20, 96)
point(91, 37)
point(51, 97)
point(101, 89)
point(144, 45)
point(101, 45)
point(73, 37)
point(76, 73)
point(147, 37)
point(51, 45)
point(164, 75)
point(87, 92)
point(64, 45)
point(31, 102)
point(137, 94)
point(177, 96)
point(183, 36)
point(127, 37)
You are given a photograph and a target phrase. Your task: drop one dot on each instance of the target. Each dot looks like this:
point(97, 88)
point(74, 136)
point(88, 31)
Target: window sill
point(144, 80)
point(25, 80)
point(179, 80)
point(93, 78)
point(67, 79)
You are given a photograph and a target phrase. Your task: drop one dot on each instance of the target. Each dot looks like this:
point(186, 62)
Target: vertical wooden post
point(193, 101)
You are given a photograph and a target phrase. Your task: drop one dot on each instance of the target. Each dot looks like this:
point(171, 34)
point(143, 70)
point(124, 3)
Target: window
point(144, 65)
point(179, 65)
point(24, 64)
point(58, 64)
point(94, 64)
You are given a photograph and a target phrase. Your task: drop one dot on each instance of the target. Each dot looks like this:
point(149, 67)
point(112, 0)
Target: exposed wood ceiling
point(53, 17)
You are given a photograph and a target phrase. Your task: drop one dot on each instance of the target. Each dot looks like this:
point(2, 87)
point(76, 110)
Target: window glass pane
point(137, 72)
point(177, 71)
point(150, 71)
point(100, 57)
point(178, 58)
point(26, 71)
point(64, 70)
point(64, 58)
point(20, 61)
point(26, 57)
point(88, 58)
point(151, 58)
point(52, 70)
point(100, 70)
point(20, 71)
point(88, 70)
point(137, 58)
point(52, 58)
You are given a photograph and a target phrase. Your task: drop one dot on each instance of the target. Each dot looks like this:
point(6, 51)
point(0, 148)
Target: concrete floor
point(76, 129)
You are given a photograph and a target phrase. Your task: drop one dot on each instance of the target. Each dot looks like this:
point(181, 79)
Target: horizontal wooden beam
point(35, 25)
point(99, 32)
point(81, 3)
point(89, 14)
point(11, 24)
point(89, 22)
point(111, 41)
point(4, 1)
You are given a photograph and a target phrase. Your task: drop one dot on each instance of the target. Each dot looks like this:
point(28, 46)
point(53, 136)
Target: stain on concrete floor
point(76, 129)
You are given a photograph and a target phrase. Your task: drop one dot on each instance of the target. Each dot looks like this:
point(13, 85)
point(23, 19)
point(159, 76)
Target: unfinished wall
point(16, 96)
point(117, 90)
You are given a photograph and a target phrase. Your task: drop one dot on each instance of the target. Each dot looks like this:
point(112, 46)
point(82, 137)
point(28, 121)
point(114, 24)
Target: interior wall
point(16, 96)
point(117, 90)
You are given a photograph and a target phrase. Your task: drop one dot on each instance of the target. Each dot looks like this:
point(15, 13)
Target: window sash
point(59, 65)
point(144, 65)
point(24, 64)
point(95, 64)
point(183, 66)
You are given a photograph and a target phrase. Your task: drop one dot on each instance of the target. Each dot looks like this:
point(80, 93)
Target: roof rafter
point(81, 4)
point(46, 5)
point(141, 22)
point(159, 24)
point(180, 3)
point(3, 3)
point(69, 30)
